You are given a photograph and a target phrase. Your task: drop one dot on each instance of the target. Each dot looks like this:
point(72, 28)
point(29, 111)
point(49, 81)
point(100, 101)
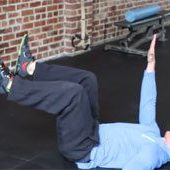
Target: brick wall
point(41, 19)
point(52, 23)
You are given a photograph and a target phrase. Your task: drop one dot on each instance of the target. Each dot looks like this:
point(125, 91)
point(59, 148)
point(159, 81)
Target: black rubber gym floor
point(27, 136)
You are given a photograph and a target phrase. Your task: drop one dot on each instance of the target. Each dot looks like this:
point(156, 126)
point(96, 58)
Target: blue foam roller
point(141, 13)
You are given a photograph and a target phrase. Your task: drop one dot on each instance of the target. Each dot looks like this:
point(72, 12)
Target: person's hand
point(151, 51)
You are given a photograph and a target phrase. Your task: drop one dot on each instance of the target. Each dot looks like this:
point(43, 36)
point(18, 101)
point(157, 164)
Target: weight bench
point(143, 30)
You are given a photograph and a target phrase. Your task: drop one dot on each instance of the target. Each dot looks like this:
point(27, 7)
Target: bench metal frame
point(144, 29)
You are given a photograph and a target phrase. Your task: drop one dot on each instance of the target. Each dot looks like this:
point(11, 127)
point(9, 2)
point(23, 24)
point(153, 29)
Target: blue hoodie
point(128, 146)
point(132, 146)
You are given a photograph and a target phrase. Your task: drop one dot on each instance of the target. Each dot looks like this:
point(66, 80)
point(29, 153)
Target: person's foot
point(24, 58)
point(5, 78)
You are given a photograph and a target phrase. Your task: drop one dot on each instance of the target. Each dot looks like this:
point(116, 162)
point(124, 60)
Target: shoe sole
point(19, 52)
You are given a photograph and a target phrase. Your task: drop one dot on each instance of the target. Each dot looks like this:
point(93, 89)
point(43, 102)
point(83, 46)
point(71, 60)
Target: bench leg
point(125, 50)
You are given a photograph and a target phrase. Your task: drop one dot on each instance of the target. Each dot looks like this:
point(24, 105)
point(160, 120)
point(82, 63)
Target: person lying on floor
point(134, 146)
point(81, 138)
point(70, 94)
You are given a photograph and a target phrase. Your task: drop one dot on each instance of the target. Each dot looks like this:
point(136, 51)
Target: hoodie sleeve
point(148, 158)
point(147, 109)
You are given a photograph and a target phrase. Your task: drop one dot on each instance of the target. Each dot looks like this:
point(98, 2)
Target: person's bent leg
point(87, 79)
point(77, 130)
point(43, 72)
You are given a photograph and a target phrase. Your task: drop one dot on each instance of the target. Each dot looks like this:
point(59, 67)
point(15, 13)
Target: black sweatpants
point(70, 94)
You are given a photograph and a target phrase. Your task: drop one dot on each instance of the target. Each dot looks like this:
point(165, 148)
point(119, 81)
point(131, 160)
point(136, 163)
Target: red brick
point(61, 19)
point(9, 8)
point(57, 1)
point(2, 31)
point(46, 2)
point(59, 26)
point(26, 19)
point(15, 42)
point(3, 2)
point(50, 15)
point(47, 40)
point(27, 12)
point(4, 45)
point(71, 25)
point(40, 10)
point(5, 23)
point(39, 23)
point(71, 12)
point(34, 44)
point(38, 17)
point(59, 38)
point(61, 31)
point(72, 32)
point(73, 19)
point(1, 52)
point(2, 16)
point(72, 6)
point(21, 34)
point(5, 58)
point(8, 30)
point(19, 20)
point(32, 18)
point(22, 6)
point(51, 21)
point(54, 32)
point(43, 16)
point(71, 1)
point(55, 45)
point(35, 4)
point(11, 50)
point(47, 28)
point(8, 37)
point(60, 6)
point(14, 14)
point(31, 38)
point(12, 22)
point(52, 8)
point(13, 1)
point(41, 49)
point(36, 31)
point(41, 36)
point(27, 26)
point(34, 51)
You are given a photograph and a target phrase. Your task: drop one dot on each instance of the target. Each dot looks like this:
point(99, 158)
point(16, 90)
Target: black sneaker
point(5, 76)
point(24, 58)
